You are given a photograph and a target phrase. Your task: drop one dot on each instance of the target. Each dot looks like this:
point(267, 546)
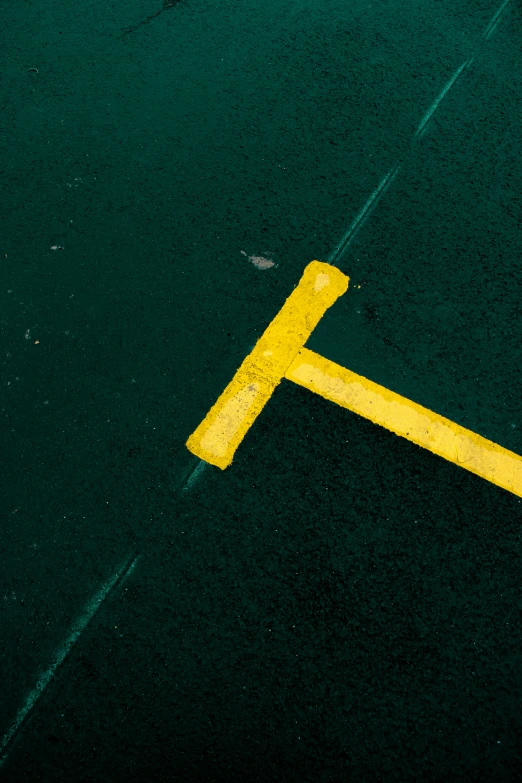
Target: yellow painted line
point(220, 433)
point(407, 419)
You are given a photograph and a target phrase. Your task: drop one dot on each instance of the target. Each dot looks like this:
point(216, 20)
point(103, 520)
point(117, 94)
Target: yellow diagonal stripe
point(220, 433)
point(407, 419)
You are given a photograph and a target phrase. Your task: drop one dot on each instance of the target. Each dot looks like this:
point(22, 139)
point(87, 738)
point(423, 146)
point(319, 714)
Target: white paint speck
point(28, 334)
point(260, 262)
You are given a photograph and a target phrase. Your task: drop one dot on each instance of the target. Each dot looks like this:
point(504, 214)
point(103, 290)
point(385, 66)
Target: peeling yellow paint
point(321, 281)
point(217, 437)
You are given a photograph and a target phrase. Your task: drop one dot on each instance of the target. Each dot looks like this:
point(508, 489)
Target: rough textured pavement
point(339, 604)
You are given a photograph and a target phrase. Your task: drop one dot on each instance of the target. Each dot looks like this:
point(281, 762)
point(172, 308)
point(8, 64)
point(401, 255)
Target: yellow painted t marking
point(280, 353)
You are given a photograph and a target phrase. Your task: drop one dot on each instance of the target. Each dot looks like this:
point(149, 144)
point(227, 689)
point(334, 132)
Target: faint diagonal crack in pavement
point(166, 5)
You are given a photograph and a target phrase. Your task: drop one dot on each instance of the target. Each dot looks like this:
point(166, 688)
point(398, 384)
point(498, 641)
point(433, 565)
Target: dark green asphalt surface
point(339, 604)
